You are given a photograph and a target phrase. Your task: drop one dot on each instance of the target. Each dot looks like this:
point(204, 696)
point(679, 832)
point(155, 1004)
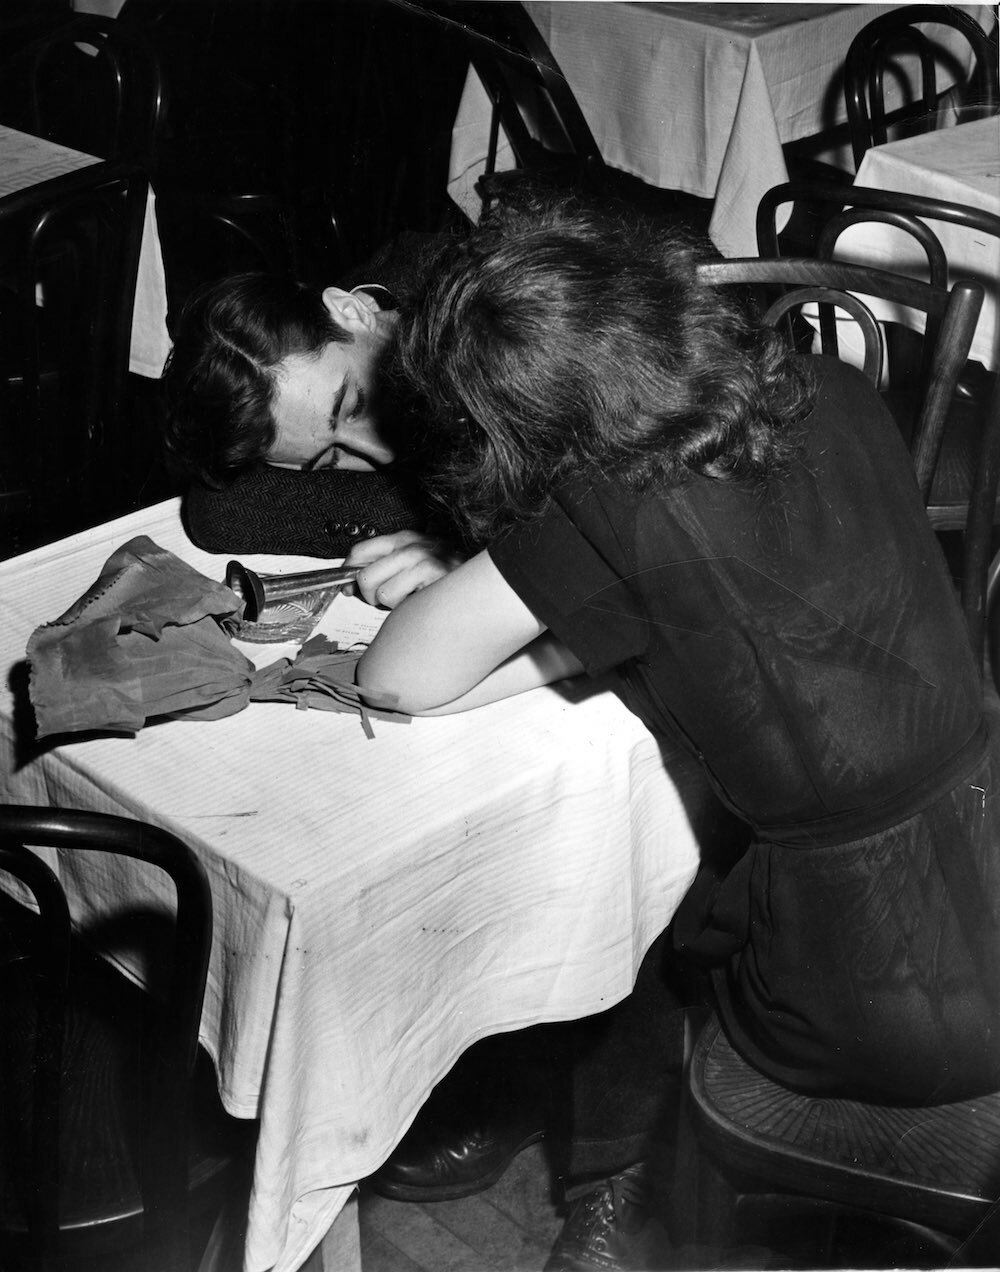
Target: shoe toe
point(426, 1169)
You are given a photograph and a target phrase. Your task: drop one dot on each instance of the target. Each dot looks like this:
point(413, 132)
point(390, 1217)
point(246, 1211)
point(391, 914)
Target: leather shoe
point(437, 1161)
point(603, 1231)
point(477, 1119)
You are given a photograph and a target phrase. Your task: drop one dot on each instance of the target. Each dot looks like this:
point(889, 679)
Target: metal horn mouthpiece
point(257, 590)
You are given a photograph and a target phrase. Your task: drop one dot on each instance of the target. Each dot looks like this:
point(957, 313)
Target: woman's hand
point(395, 565)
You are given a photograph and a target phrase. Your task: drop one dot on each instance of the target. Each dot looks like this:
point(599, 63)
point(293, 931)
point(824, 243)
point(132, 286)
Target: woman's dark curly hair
point(220, 376)
point(559, 340)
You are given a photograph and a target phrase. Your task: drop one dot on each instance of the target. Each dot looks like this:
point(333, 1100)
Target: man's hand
point(397, 564)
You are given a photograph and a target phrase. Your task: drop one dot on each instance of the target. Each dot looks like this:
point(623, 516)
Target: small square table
point(379, 905)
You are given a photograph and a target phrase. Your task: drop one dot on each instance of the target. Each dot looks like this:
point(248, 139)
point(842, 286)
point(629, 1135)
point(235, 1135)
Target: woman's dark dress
point(805, 642)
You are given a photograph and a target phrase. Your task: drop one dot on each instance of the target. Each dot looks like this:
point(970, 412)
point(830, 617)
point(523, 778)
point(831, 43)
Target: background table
point(961, 165)
point(26, 161)
point(379, 905)
point(691, 96)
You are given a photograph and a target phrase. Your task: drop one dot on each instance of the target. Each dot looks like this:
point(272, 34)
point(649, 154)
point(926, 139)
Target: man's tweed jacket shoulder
point(319, 513)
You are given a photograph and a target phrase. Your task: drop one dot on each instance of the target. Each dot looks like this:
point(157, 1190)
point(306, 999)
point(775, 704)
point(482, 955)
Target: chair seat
point(948, 505)
point(100, 1100)
point(937, 1165)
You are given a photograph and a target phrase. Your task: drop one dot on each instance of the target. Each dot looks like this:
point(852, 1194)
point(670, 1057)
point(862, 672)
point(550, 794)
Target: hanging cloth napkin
point(151, 638)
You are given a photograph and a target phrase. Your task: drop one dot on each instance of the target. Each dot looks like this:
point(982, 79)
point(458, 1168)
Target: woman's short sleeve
point(569, 585)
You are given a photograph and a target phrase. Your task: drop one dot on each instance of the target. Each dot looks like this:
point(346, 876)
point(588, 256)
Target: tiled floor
point(508, 1228)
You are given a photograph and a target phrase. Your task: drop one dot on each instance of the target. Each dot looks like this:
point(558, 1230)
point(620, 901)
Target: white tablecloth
point(691, 96)
point(379, 905)
point(26, 161)
point(961, 165)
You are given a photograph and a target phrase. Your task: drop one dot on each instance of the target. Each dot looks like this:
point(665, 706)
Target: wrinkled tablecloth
point(379, 905)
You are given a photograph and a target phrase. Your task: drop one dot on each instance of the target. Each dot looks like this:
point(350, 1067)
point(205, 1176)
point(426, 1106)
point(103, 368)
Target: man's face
point(326, 405)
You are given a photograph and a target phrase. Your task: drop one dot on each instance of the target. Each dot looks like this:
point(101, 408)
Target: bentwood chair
point(871, 64)
point(963, 494)
point(834, 1182)
point(838, 1183)
point(950, 320)
point(89, 83)
point(69, 253)
point(520, 74)
point(951, 316)
point(532, 102)
point(993, 621)
point(242, 165)
point(113, 1140)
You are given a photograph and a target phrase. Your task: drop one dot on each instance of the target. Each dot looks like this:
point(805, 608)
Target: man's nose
point(362, 435)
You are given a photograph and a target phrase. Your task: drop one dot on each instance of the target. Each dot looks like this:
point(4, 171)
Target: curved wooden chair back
point(827, 300)
point(508, 52)
point(154, 1152)
point(93, 84)
point(36, 983)
point(831, 199)
point(207, 235)
point(839, 206)
point(964, 491)
point(952, 315)
point(523, 82)
point(72, 244)
point(869, 63)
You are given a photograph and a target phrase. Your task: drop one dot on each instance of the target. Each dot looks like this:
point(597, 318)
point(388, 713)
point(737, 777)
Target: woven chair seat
point(937, 1165)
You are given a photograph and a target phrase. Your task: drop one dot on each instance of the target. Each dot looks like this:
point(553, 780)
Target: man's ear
point(354, 311)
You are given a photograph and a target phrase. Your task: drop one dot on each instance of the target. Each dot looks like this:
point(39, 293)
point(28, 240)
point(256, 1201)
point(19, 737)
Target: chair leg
point(982, 1248)
point(715, 1207)
point(702, 1205)
point(979, 527)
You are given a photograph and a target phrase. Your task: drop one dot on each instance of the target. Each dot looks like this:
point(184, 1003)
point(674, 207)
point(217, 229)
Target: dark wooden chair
point(517, 69)
point(113, 1136)
point(839, 1183)
point(89, 83)
point(963, 492)
point(211, 233)
point(233, 193)
point(834, 1182)
point(951, 316)
point(69, 253)
point(870, 64)
point(993, 621)
point(532, 102)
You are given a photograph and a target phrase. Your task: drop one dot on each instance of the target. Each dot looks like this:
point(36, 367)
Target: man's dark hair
point(220, 376)
point(561, 340)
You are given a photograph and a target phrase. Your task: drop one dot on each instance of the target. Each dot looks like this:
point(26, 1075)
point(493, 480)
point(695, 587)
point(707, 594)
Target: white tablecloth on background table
point(25, 161)
point(961, 165)
point(379, 905)
point(691, 96)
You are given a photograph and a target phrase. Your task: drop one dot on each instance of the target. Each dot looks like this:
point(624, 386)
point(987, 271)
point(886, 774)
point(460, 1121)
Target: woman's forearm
point(442, 642)
point(542, 662)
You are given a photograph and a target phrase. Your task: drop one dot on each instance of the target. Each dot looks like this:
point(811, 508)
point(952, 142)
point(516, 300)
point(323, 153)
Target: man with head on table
point(286, 422)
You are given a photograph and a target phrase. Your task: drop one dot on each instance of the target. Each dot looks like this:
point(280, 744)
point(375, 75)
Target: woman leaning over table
point(656, 486)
